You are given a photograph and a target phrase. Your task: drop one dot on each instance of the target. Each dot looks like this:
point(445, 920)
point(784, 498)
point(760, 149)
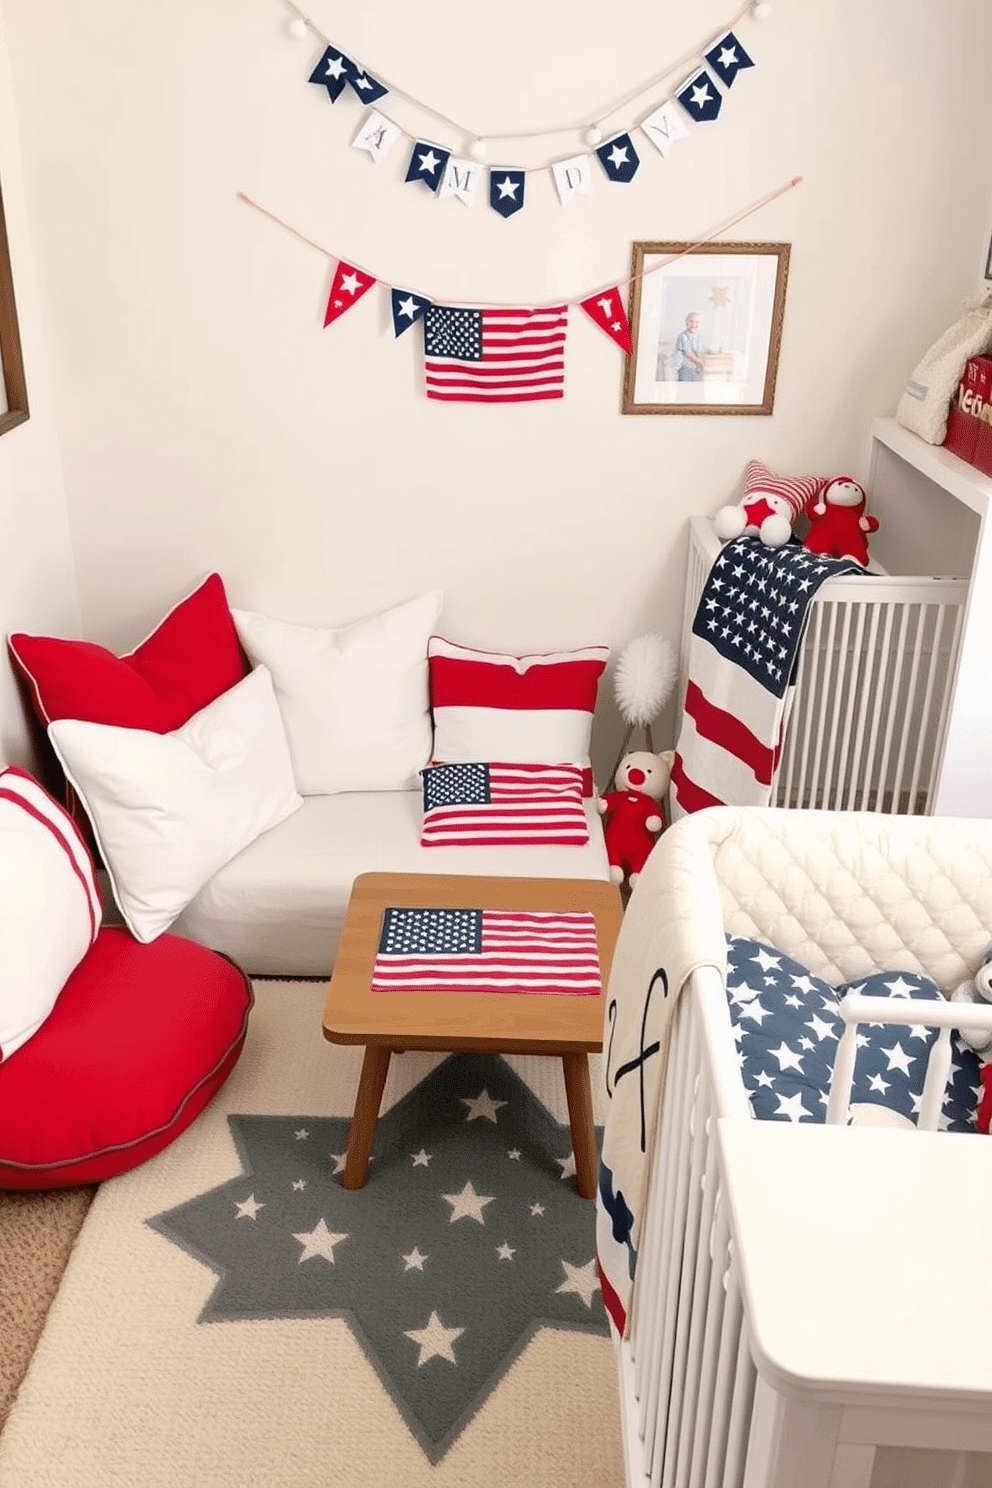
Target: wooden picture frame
point(706, 323)
point(13, 390)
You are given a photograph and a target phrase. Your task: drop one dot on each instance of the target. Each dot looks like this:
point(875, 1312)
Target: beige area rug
point(129, 1386)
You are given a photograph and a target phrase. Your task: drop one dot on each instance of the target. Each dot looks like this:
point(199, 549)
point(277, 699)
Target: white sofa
point(277, 907)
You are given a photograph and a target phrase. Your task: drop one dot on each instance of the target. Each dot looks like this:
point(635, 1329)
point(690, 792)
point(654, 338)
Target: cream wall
point(37, 582)
point(205, 417)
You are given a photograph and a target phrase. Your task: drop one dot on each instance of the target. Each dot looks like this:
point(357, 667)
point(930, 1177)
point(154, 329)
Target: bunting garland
point(489, 352)
point(696, 99)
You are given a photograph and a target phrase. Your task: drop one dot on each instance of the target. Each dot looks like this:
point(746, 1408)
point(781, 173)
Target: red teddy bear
point(838, 523)
point(633, 815)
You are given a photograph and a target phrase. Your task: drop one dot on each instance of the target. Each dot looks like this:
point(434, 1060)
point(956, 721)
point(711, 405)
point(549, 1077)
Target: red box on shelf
point(969, 430)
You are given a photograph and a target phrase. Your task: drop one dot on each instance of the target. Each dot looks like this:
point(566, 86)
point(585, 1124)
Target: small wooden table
point(512, 1023)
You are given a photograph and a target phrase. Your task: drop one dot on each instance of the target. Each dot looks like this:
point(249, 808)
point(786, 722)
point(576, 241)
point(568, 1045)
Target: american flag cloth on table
point(495, 355)
point(488, 950)
point(495, 805)
point(742, 658)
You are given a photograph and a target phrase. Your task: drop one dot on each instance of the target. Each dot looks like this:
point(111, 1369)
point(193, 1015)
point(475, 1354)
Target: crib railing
point(688, 1379)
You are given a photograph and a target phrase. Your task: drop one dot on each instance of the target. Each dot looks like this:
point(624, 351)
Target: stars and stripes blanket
point(499, 804)
point(487, 950)
point(742, 660)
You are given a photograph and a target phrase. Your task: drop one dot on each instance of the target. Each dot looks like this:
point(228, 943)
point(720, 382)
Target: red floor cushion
point(139, 1041)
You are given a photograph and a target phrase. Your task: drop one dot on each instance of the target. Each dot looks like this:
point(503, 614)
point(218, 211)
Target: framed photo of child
point(706, 324)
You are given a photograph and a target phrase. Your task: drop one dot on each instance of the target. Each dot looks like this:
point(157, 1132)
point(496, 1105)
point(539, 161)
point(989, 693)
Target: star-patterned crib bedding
point(787, 1028)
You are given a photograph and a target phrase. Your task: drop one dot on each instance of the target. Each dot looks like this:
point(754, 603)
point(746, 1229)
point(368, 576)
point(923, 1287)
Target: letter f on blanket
point(741, 667)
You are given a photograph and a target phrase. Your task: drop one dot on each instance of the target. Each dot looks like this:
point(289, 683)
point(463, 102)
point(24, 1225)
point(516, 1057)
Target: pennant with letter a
point(607, 310)
point(347, 288)
point(700, 97)
point(377, 135)
point(407, 309)
point(332, 72)
point(665, 127)
point(506, 191)
point(727, 58)
point(618, 158)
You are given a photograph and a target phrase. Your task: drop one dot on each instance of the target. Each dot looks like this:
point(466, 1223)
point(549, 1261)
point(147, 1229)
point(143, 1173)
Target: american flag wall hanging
point(495, 355)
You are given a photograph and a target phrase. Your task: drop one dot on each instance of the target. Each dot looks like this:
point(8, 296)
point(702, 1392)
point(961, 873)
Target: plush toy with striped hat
point(768, 506)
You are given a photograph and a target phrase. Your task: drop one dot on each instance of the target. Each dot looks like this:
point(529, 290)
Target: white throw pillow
point(168, 810)
point(354, 700)
point(51, 905)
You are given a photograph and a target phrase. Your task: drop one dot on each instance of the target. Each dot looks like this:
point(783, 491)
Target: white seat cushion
point(278, 906)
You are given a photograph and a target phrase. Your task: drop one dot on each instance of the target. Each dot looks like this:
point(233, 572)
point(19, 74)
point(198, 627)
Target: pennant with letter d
point(607, 311)
point(347, 288)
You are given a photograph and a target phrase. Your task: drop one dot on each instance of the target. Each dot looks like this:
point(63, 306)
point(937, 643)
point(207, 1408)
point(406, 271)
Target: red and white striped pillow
point(51, 905)
point(532, 709)
point(501, 805)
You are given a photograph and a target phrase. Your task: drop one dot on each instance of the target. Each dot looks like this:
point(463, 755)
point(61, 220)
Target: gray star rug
point(231, 1315)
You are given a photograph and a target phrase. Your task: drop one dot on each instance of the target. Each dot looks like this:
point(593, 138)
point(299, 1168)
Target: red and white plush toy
point(768, 506)
point(633, 815)
point(978, 991)
point(838, 522)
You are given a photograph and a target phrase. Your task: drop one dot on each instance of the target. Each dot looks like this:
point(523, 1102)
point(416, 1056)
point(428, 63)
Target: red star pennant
point(607, 311)
point(348, 286)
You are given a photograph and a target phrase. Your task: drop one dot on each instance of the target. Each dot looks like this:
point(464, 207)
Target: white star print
point(302, 1134)
point(787, 1058)
point(580, 1279)
point(338, 1159)
point(617, 156)
point(763, 1078)
point(537, 1210)
point(700, 95)
point(506, 1252)
point(514, 1154)
point(414, 1261)
point(351, 283)
point(900, 987)
point(435, 1340)
point(898, 1058)
point(335, 66)
point(407, 307)
point(508, 188)
point(878, 1084)
point(249, 1207)
point(318, 1242)
point(820, 1028)
point(429, 162)
point(567, 1165)
point(482, 1105)
point(766, 962)
point(421, 1158)
point(467, 1204)
point(362, 81)
point(728, 57)
point(299, 1184)
point(791, 1106)
point(754, 1011)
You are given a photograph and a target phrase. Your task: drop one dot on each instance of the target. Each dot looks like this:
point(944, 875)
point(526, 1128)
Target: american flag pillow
point(475, 804)
point(491, 706)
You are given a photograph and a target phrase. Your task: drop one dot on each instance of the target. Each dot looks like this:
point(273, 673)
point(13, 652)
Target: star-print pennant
point(427, 164)
point(407, 309)
point(700, 97)
point(332, 72)
point(618, 158)
point(506, 191)
point(727, 58)
point(607, 310)
point(367, 88)
point(347, 288)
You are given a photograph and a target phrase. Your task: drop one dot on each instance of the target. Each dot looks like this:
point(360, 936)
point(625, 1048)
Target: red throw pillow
point(187, 661)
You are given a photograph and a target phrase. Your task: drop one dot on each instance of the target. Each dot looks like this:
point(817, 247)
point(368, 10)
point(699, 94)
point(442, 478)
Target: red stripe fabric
point(688, 795)
point(724, 728)
point(499, 683)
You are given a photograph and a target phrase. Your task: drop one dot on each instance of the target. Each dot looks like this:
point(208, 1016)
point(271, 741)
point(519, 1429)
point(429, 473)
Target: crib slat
point(700, 1290)
point(707, 1431)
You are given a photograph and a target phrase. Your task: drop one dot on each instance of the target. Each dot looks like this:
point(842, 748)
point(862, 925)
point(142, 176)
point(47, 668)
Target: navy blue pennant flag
point(506, 191)
point(368, 88)
point(727, 58)
point(333, 72)
point(407, 308)
point(700, 97)
point(618, 158)
point(427, 163)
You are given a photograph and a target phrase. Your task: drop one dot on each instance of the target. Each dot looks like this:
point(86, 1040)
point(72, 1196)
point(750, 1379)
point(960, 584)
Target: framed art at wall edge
point(13, 391)
point(706, 325)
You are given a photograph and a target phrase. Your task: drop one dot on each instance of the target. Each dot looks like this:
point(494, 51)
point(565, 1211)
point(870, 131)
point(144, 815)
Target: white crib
point(808, 1307)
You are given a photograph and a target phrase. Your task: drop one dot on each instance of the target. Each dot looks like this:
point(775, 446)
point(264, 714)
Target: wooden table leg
point(365, 1118)
point(579, 1093)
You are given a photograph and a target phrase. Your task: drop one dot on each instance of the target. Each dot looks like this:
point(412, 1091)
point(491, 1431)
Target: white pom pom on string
point(761, 11)
point(644, 679)
point(594, 135)
point(478, 149)
point(298, 29)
